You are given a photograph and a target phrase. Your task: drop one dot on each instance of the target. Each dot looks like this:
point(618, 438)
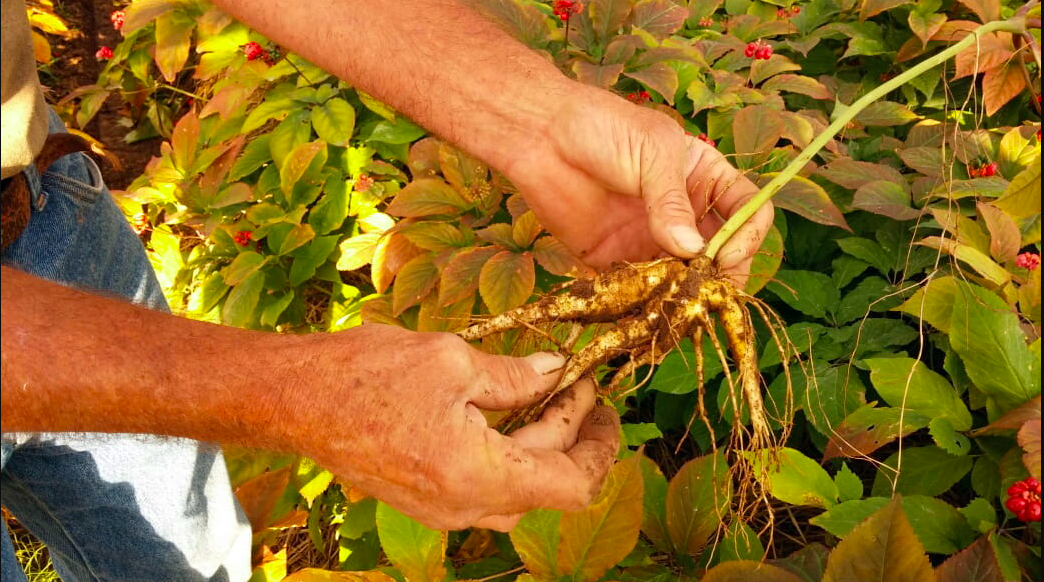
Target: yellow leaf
point(319, 575)
point(746, 570)
point(41, 48)
point(596, 538)
point(978, 260)
point(48, 22)
point(1022, 199)
point(507, 280)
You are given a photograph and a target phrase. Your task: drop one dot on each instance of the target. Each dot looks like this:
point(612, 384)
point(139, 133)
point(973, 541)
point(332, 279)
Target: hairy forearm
point(438, 61)
point(78, 362)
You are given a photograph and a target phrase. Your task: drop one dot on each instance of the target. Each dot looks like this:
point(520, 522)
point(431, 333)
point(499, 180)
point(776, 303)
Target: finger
point(560, 424)
point(747, 240)
point(506, 382)
point(504, 523)
point(672, 221)
point(570, 480)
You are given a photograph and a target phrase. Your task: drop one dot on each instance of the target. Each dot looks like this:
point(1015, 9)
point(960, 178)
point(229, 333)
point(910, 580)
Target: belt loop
point(36, 191)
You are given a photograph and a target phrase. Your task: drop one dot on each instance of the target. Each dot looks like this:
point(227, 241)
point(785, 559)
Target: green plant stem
point(1014, 25)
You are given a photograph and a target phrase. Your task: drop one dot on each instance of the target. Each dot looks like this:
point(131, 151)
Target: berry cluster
point(784, 13)
point(564, 9)
point(363, 183)
point(703, 137)
point(243, 237)
point(639, 97)
point(1029, 261)
point(706, 22)
point(103, 54)
point(758, 50)
point(1024, 499)
point(254, 51)
point(117, 17)
point(983, 171)
point(140, 223)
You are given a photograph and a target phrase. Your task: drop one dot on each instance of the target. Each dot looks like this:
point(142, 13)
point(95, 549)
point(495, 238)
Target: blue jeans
point(109, 506)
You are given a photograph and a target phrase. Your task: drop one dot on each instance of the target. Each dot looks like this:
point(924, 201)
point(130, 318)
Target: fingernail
point(546, 362)
point(687, 238)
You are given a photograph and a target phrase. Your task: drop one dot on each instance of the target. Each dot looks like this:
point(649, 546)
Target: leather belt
point(15, 199)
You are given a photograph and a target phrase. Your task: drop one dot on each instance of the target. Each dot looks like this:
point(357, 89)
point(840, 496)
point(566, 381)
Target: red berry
point(243, 237)
point(1016, 488)
point(1031, 513)
point(706, 22)
point(1015, 504)
point(117, 17)
point(253, 51)
point(767, 52)
point(363, 183)
point(103, 54)
point(751, 49)
point(795, 10)
point(564, 9)
point(1032, 485)
point(1029, 261)
point(781, 13)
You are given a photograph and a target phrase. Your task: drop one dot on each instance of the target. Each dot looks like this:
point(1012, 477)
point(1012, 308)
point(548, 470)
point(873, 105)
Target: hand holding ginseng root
point(622, 191)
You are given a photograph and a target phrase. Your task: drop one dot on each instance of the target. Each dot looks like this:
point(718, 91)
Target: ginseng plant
point(656, 304)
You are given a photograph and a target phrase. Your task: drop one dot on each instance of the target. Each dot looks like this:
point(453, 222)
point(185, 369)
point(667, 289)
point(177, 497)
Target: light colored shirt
point(24, 111)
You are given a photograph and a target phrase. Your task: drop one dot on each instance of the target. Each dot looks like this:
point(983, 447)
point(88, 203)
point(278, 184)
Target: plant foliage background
point(901, 263)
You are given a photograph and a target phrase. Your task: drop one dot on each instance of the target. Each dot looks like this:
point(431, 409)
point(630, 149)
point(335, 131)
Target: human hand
point(411, 432)
point(614, 181)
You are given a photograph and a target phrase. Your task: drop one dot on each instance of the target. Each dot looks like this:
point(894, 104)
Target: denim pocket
point(75, 176)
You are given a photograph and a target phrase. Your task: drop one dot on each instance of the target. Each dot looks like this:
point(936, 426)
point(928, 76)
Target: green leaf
point(831, 394)
point(939, 526)
point(872, 294)
point(329, 212)
point(797, 84)
point(908, 383)
point(638, 434)
point(238, 310)
point(285, 240)
point(808, 199)
point(536, 539)
point(334, 121)
point(869, 428)
point(676, 374)
point(294, 131)
point(460, 276)
point(599, 536)
point(740, 543)
point(414, 281)
point(886, 113)
point(845, 269)
point(933, 303)
point(923, 471)
point(697, 497)
point(808, 563)
point(988, 338)
point(425, 197)
point(418, 552)
point(792, 477)
point(809, 292)
point(884, 547)
point(310, 257)
point(948, 439)
point(849, 485)
point(746, 570)
point(654, 505)
point(981, 515)
point(397, 132)
point(270, 108)
point(755, 131)
point(870, 8)
point(866, 250)
point(506, 280)
point(271, 313)
point(243, 266)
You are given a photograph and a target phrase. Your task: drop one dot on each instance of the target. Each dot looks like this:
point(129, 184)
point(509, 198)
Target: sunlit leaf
point(1022, 198)
point(258, 496)
point(977, 259)
point(506, 280)
point(433, 236)
point(792, 477)
point(1001, 85)
point(173, 39)
point(886, 113)
point(334, 121)
point(536, 539)
point(318, 575)
point(418, 552)
point(555, 258)
point(413, 282)
point(597, 537)
point(425, 197)
point(986, 10)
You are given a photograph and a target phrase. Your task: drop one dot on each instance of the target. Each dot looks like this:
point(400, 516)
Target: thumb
point(672, 221)
point(506, 382)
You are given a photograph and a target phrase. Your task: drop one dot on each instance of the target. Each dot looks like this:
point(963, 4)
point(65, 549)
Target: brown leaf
point(507, 280)
point(755, 131)
point(798, 84)
point(1005, 237)
point(1012, 419)
point(604, 76)
point(926, 160)
point(747, 570)
point(976, 563)
point(697, 498)
point(449, 318)
point(992, 51)
point(868, 429)
point(762, 69)
point(463, 172)
point(525, 229)
point(392, 252)
point(659, 77)
point(413, 282)
point(871, 8)
point(1001, 85)
point(808, 199)
point(425, 197)
point(556, 259)
point(852, 174)
point(423, 158)
point(258, 496)
point(319, 575)
point(885, 198)
point(1029, 440)
point(884, 547)
point(460, 277)
point(660, 18)
point(925, 25)
point(986, 10)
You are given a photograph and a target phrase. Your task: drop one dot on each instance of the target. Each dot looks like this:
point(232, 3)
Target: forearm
point(78, 362)
point(438, 61)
